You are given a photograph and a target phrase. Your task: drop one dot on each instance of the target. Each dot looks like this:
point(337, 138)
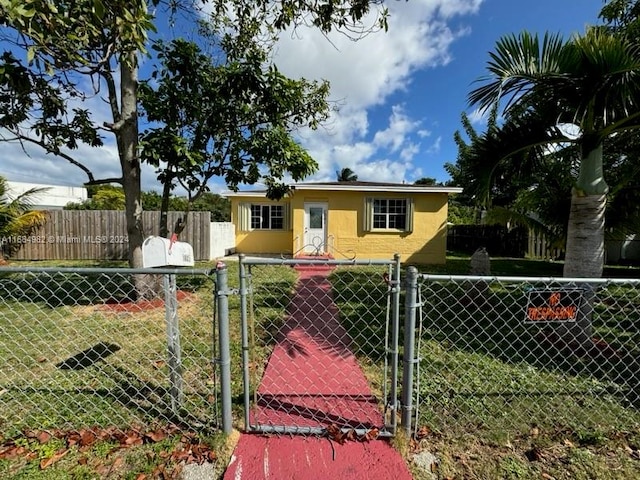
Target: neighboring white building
point(54, 198)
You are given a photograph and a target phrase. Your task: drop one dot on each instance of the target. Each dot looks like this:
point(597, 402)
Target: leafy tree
point(17, 217)
point(622, 17)
point(458, 214)
point(109, 197)
point(346, 175)
point(102, 197)
point(70, 44)
point(218, 206)
point(426, 181)
point(528, 191)
point(65, 42)
point(190, 101)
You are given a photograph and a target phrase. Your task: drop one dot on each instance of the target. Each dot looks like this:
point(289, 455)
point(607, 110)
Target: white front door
point(315, 228)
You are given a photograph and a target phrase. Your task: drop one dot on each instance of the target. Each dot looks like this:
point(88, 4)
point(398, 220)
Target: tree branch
point(113, 99)
point(23, 138)
point(104, 181)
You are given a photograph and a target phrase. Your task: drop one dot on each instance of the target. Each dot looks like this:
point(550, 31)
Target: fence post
point(223, 339)
point(408, 357)
point(173, 341)
point(395, 329)
point(245, 339)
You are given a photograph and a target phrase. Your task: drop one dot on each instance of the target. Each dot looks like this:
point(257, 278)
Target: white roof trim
point(352, 188)
point(378, 188)
point(246, 193)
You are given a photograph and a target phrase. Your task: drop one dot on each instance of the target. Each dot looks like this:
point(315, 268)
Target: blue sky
point(400, 94)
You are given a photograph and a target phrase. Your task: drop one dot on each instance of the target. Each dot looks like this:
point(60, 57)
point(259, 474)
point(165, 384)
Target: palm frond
point(595, 76)
point(16, 215)
point(517, 65)
point(26, 200)
point(520, 138)
point(506, 216)
point(26, 223)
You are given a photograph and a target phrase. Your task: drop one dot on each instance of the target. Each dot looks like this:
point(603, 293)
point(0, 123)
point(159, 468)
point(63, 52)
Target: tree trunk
point(146, 286)
point(585, 241)
point(164, 208)
point(585, 237)
point(129, 160)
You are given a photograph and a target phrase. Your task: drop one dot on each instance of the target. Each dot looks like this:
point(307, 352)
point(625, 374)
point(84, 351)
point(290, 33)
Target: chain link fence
point(502, 356)
point(77, 350)
point(314, 346)
point(321, 345)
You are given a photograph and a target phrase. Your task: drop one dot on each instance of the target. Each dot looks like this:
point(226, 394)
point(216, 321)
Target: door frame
point(311, 245)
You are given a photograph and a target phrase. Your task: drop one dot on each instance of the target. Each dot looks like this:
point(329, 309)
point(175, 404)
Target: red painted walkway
point(312, 379)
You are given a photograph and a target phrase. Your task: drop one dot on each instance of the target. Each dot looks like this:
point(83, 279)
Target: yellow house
point(366, 220)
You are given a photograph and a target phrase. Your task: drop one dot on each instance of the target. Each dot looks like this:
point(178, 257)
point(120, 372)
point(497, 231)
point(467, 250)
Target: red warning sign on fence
point(557, 305)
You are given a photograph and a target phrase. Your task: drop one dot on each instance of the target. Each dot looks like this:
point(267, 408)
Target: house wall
point(52, 197)
point(425, 245)
point(260, 241)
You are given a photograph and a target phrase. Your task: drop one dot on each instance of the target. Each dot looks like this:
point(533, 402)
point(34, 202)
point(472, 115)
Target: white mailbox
point(160, 252)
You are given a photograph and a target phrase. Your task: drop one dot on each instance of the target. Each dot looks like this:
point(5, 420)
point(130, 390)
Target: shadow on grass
point(126, 400)
point(361, 295)
point(89, 357)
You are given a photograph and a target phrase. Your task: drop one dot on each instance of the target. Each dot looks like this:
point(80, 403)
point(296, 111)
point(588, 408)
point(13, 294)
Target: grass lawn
point(492, 404)
point(496, 400)
point(90, 368)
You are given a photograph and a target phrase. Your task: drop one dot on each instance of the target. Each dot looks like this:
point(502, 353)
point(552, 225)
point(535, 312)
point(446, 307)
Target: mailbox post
point(173, 342)
point(163, 252)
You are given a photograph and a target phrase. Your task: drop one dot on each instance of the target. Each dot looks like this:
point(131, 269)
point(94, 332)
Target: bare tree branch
point(23, 138)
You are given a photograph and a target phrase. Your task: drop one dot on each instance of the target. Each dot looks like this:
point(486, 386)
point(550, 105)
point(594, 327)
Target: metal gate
point(320, 346)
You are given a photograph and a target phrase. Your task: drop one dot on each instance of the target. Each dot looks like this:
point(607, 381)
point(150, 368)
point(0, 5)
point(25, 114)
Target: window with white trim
point(263, 216)
point(267, 217)
point(390, 213)
point(394, 214)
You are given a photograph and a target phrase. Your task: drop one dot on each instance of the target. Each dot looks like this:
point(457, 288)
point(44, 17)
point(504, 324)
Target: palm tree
point(591, 82)
point(16, 217)
point(346, 175)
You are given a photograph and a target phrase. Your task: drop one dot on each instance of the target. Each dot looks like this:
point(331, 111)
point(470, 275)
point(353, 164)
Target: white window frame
point(371, 215)
point(246, 216)
point(267, 216)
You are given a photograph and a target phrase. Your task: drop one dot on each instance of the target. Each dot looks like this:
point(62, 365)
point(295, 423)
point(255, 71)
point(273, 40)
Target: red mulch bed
point(141, 305)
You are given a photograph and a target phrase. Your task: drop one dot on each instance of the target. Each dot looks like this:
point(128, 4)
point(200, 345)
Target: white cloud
point(363, 75)
point(409, 151)
point(478, 117)
point(400, 125)
point(435, 146)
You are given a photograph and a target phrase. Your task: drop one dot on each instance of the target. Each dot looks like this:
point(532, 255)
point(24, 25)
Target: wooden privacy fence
point(539, 247)
point(102, 235)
